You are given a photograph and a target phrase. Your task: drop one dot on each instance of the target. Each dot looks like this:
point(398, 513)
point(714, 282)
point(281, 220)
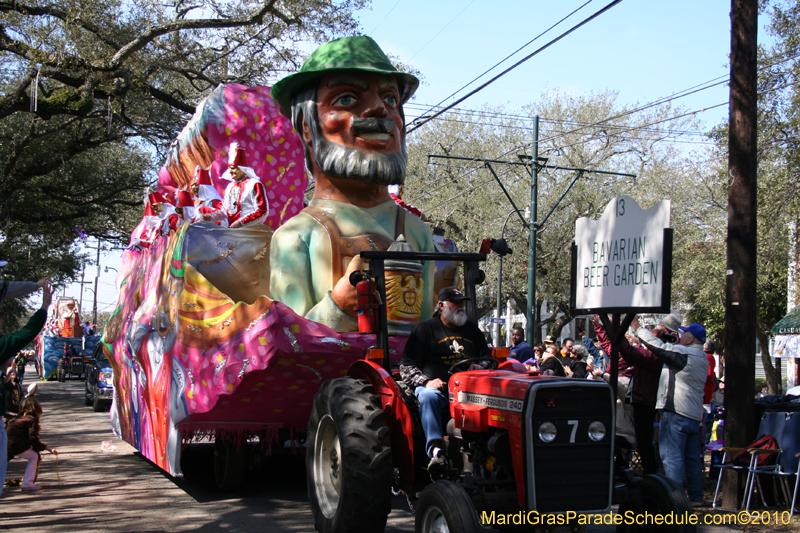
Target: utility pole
point(533, 228)
point(96, 278)
point(83, 276)
point(740, 288)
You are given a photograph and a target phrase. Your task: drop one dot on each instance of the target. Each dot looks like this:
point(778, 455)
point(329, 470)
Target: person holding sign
point(680, 400)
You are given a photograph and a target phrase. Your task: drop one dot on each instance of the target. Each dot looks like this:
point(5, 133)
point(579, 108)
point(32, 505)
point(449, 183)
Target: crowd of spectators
point(19, 433)
point(665, 377)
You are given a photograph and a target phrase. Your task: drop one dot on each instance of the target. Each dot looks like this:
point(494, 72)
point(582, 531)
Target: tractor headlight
point(547, 432)
point(597, 431)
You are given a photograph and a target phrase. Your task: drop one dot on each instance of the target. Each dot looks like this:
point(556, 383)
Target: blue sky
point(644, 49)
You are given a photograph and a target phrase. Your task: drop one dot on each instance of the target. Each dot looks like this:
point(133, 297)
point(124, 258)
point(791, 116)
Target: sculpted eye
point(345, 100)
point(390, 99)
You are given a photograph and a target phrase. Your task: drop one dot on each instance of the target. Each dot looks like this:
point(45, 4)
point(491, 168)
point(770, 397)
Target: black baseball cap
point(452, 294)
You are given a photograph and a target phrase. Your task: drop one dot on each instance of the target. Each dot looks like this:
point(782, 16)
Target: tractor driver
point(434, 345)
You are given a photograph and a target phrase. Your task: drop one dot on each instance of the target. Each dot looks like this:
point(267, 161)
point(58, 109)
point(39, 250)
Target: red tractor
point(522, 448)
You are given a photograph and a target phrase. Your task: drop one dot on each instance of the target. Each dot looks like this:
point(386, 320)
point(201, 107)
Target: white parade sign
point(620, 257)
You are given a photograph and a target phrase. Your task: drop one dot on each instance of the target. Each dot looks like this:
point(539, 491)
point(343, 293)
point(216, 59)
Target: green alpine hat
point(348, 53)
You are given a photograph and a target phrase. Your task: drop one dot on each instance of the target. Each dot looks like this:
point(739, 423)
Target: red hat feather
point(236, 156)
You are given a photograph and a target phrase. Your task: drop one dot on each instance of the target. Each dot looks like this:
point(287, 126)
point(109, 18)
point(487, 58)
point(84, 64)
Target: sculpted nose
point(375, 107)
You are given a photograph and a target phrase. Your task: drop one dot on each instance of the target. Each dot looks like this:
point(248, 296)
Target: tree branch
point(52, 11)
point(193, 24)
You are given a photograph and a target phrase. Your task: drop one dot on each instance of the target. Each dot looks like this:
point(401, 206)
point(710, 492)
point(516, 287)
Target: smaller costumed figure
point(149, 231)
point(185, 208)
point(70, 321)
point(166, 212)
point(207, 201)
point(245, 200)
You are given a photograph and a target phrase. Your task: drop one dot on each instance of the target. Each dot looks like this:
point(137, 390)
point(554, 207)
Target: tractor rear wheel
point(348, 461)
point(657, 494)
point(230, 464)
point(445, 507)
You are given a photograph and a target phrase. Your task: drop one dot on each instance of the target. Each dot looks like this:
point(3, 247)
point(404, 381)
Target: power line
point(511, 54)
point(612, 127)
point(515, 65)
point(440, 31)
point(384, 17)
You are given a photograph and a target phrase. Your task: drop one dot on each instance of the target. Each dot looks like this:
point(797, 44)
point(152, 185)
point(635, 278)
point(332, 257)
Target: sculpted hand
point(435, 384)
point(237, 224)
point(344, 294)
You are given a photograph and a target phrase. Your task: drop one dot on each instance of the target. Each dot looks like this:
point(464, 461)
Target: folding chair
point(786, 464)
point(772, 423)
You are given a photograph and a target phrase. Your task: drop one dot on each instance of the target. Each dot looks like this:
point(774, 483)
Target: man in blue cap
point(680, 400)
point(346, 103)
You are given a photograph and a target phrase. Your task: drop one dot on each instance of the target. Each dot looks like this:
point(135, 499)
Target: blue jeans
point(433, 405)
point(3, 455)
point(679, 447)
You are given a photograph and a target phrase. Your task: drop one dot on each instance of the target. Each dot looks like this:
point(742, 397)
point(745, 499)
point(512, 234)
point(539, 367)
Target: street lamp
point(110, 268)
point(500, 247)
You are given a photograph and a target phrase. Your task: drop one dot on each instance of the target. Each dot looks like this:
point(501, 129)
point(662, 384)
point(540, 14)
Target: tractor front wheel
point(657, 495)
point(445, 507)
point(349, 461)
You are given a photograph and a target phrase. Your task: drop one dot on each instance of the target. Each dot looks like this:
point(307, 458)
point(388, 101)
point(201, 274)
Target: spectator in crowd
point(551, 363)
point(680, 399)
point(18, 289)
point(596, 358)
point(21, 361)
point(549, 340)
point(645, 373)
point(9, 345)
point(12, 394)
point(578, 362)
point(708, 390)
point(566, 350)
point(24, 442)
point(520, 350)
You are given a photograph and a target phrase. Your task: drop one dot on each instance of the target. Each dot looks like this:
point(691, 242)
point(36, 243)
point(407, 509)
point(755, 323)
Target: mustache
point(372, 125)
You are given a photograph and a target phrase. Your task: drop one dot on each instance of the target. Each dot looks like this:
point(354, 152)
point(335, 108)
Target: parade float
point(201, 351)
point(60, 333)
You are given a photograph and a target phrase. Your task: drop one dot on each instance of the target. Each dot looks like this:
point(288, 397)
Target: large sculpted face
point(345, 100)
point(355, 127)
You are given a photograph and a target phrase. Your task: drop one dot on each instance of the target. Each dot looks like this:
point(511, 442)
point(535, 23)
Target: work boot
point(437, 465)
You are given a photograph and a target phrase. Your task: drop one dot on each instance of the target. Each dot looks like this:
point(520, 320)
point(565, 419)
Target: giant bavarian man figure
point(346, 103)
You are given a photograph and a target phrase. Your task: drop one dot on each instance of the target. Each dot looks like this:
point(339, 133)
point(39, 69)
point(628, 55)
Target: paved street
point(121, 491)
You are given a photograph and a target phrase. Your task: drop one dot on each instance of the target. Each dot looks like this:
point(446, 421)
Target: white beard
point(458, 317)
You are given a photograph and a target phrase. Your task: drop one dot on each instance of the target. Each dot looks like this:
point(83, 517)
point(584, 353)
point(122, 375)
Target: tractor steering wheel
point(471, 360)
